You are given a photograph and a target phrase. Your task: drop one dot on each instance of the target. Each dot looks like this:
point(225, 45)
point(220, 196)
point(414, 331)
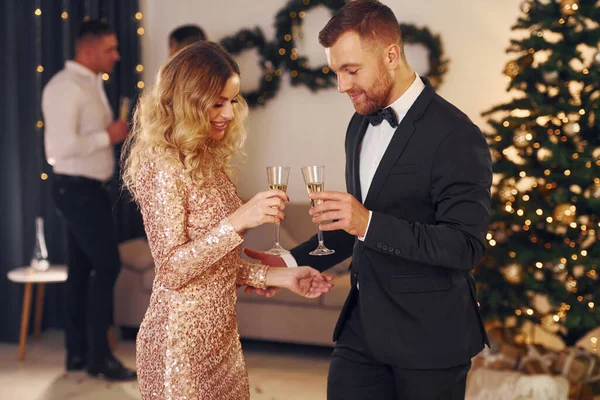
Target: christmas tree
point(542, 260)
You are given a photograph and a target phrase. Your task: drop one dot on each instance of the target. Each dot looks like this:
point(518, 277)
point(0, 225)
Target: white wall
point(299, 127)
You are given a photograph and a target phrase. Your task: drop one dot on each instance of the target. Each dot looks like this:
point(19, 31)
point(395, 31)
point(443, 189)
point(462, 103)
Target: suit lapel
point(401, 137)
point(360, 134)
point(391, 155)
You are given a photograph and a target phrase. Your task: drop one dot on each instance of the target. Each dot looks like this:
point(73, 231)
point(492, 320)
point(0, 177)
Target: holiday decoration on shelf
point(545, 218)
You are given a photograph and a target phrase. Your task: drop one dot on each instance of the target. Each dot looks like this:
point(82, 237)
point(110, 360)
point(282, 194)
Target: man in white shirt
point(414, 220)
point(80, 132)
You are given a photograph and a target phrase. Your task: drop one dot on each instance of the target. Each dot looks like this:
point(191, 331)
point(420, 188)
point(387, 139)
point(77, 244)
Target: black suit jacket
point(430, 199)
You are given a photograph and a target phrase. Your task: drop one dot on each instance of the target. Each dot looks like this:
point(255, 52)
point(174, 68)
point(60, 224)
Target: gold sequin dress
point(188, 345)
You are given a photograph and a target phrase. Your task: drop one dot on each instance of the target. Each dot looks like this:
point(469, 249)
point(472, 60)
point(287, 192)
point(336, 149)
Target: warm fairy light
point(138, 16)
point(64, 15)
point(40, 68)
point(139, 68)
point(44, 176)
point(39, 124)
point(140, 84)
point(105, 76)
point(529, 311)
point(38, 12)
point(140, 31)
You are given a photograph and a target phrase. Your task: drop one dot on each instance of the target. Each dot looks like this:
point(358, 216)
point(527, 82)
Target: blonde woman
point(176, 166)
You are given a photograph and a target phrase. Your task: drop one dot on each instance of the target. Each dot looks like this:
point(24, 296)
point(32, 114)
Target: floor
point(277, 372)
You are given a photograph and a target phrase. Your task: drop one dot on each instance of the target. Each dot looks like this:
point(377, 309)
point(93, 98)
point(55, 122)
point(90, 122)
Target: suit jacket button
point(379, 245)
point(397, 252)
point(385, 247)
point(391, 249)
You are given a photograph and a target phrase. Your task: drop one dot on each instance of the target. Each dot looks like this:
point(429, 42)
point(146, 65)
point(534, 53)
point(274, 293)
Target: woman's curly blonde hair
point(171, 119)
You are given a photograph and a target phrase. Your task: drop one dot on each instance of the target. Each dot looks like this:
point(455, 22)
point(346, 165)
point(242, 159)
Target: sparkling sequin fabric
point(188, 344)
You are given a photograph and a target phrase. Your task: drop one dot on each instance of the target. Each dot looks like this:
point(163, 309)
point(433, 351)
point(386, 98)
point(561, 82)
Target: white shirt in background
point(76, 113)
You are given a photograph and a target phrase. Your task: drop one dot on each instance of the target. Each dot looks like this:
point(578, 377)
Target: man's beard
point(377, 95)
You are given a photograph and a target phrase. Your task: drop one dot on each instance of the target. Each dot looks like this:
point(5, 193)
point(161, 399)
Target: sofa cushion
point(136, 253)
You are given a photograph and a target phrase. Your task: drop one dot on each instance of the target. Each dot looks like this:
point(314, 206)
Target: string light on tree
point(526, 6)
point(522, 138)
point(569, 7)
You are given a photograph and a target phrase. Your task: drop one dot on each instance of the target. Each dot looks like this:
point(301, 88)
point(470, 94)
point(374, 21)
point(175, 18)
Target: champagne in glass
point(314, 178)
point(278, 180)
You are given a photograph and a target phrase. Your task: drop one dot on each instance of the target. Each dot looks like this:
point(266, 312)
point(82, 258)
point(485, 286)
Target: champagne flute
point(278, 179)
point(314, 178)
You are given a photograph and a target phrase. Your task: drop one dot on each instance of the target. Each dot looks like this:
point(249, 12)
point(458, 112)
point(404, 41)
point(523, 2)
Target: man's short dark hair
point(370, 19)
point(93, 29)
point(187, 34)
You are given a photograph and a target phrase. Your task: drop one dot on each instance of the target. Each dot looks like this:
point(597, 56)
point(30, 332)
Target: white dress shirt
point(374, 144)
point(76, 114)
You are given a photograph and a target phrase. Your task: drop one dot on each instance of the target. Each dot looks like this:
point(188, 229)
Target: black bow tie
point(377, 117)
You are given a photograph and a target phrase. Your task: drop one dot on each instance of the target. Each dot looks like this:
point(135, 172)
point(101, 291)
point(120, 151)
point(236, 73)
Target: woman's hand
point(305, 281)
point(265, 207)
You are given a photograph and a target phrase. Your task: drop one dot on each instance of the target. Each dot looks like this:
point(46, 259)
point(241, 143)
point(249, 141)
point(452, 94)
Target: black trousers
point(93, 264)
point(355, 374)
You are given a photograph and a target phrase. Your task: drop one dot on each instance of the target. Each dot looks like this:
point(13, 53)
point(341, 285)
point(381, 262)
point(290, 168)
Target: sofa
point(286, 317)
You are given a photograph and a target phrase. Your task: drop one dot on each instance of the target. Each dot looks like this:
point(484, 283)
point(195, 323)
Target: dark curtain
point(36, 39)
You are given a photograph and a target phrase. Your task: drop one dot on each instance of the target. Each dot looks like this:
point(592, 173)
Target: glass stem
point(320, 235)
point(277, 234)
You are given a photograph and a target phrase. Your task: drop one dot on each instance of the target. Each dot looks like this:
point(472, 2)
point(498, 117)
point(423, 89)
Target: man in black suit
point(414, 220)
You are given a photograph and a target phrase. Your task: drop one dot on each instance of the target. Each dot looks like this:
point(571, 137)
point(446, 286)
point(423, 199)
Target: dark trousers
point(93, 263)
point(355, 374)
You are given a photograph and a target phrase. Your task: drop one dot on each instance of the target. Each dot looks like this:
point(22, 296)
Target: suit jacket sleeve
point(460, 189)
